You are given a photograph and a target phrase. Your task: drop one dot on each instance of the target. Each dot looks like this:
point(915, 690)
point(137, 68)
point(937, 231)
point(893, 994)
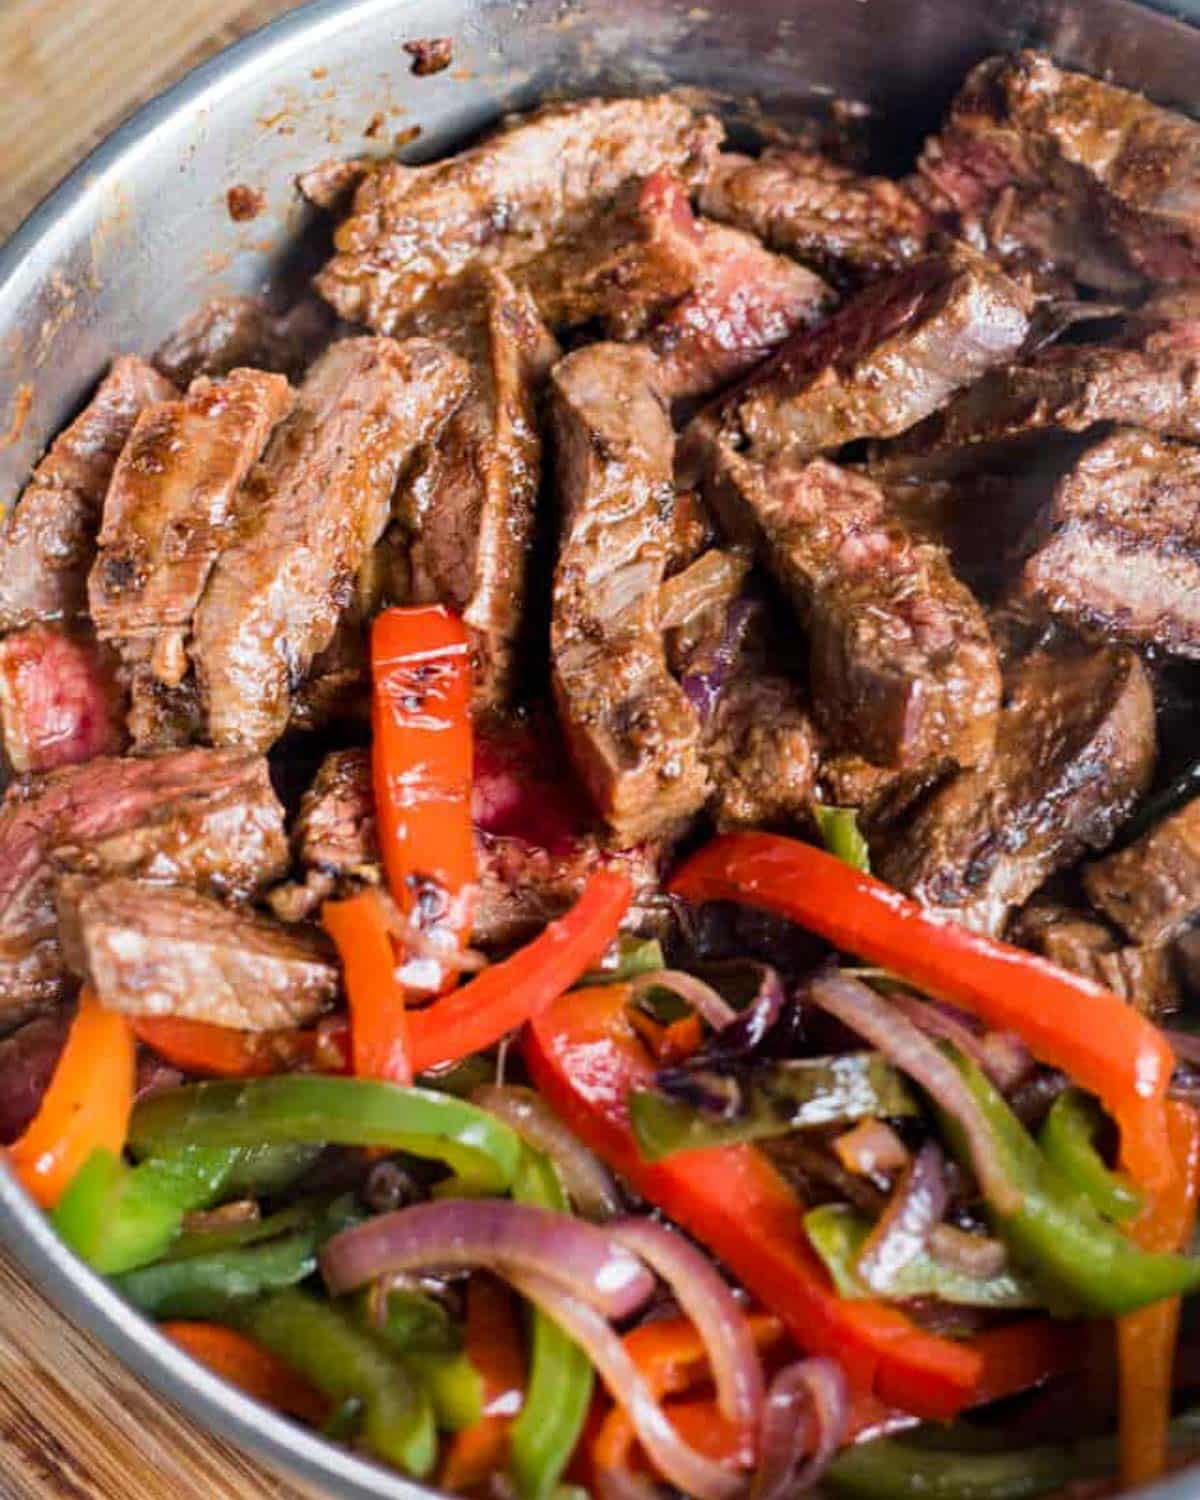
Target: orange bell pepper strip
point(494, 1348)
point(252, 1368)
point(585, 1058)
point(222, 1052)
point(508, 993)
point(421, 763)
point(1146, 1338)
point(1097, 1038)
point(378, 1019)
point(86, 1105)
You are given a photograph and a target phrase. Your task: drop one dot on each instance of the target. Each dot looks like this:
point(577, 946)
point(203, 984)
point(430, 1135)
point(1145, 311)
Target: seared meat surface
point(468, 508)
point(825, 214)
point(1117, 546)
point(890, 356)
point(631, 732)
point(198, 817)
point(47, 539)
point(1151, 889)
point(309, 516)
point(1144, 974)
point(414, 229)
point(1102, 183)
point(230, 331)
point(1075, 750)
point(902, 666)
point(60, 701)
point(152, 950)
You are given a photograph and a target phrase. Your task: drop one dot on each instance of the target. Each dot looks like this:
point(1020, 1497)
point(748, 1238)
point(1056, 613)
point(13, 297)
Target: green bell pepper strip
point(296, 1107)
point(322, 1343)
point(1067, 1139)
point(460, 1078)
point(634, 956)
point(204, 1286)
point(559, 1391)
point(840, 833)
point(780, 1097)
point(118, 1217)
point(245, 1232)
point(455, 1387)
point(1078, 1260)
point(837, 1233)
point(418, 1331)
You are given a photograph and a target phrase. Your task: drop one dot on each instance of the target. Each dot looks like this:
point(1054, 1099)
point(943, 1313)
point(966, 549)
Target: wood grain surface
point(74, 1424)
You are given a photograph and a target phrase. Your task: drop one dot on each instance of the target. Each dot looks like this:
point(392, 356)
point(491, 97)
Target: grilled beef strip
point(28, 1057)
point(1143, 974)
point(1151, 889)
point(468, 508)
point(1090, 175)
point(166, 951)
point(848, 226)
point(168, 513)
point(745, 303)
point(197, 817)
point(1075, 750)
point(416, 229)
point(227, 332)
point(47, 539)
point(887, 358)
point(1117, 546)
point(526, 878)
point(631, 733)
point(310, 514)
point(60, 701)
point(902, 667)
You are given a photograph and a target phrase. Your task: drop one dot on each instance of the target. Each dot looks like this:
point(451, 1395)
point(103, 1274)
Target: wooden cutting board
point(74, 1424)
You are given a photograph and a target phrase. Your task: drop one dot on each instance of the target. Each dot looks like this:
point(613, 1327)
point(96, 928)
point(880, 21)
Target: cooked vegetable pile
point(593, 874)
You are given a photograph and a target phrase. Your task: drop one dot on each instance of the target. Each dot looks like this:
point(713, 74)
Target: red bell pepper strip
point(1067, 1021)
point(251, 1367)
point(378, 1019)
point(510, 992)
point(86, 1106)
point(585, 1058)
point(222, 1052)
point(421, 762)
point(1146, 1338)
point(494, 1348)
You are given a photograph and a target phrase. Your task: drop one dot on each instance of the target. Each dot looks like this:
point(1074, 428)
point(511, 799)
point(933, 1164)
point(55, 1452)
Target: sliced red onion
point(1001, 1055)
point(706, 675)
point(587, 1181)
point(706, 1299)
point(750, 1026)
point(704, 1000)
point(918, 1203)
point(882, 1024)
point(491, 1234)
point(871, 1147)
point(807, 1411)
point(678, 1462)
point(420, 946)
point(973, 1254)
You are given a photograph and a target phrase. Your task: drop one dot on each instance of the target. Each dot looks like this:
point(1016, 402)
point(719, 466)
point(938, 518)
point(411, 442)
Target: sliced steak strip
point(230, 331)
point(1152, 889)
point(1075, 751)
point(159, 951)
point(890, 356)
point(642, 252)
point(1142, 974)
point(632, 734)
point(1119, 174)
point(60, 702)
point(46, 540)
point(525, 880)
point(746, 302)
point(844, 224)
point(200, 817)
point(1069, 388)
point(414, 229)
point(309, 516)
point(1118, 545)
point(168, 510)
point(902, 665)
point(469, 506)
point(28, 1057)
